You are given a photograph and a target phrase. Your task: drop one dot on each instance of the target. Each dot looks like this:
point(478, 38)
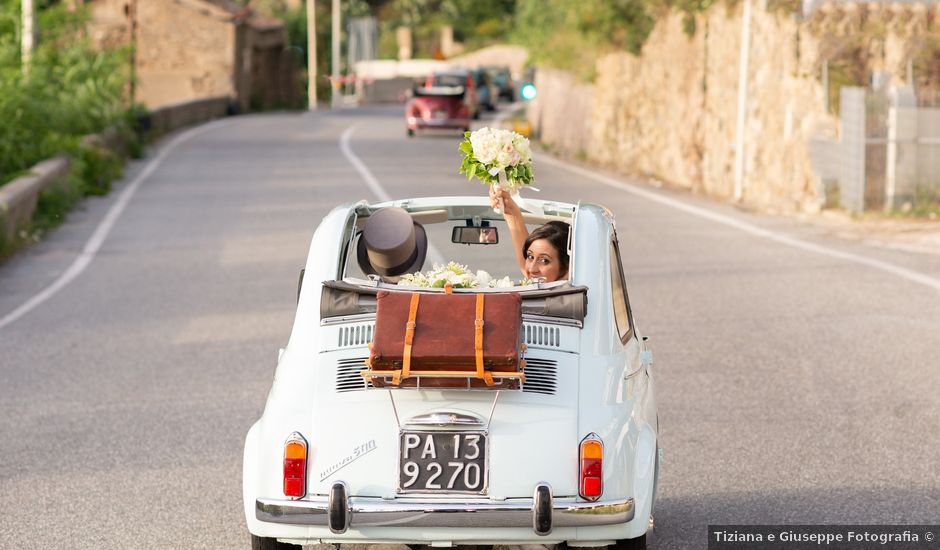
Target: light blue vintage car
point(572, 456)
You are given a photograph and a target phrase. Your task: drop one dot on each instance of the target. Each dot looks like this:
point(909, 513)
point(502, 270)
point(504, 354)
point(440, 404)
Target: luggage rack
point(443, 380)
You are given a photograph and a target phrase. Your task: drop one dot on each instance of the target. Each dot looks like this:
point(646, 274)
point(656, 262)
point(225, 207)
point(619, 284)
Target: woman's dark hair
point(556, 233)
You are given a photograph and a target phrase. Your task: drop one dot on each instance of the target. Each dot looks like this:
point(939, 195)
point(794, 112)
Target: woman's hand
point(510, 208)
point(513, 216)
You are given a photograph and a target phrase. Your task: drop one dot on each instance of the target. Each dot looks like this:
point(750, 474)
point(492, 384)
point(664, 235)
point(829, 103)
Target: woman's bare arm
point(517, 229)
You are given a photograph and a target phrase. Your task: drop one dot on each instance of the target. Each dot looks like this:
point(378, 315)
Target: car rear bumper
point(540, 513)
point(424, 123)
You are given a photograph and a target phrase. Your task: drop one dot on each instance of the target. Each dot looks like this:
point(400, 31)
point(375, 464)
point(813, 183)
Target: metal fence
point(888, 154)
point(911, 175)
point(809, 6)
point(852, 176)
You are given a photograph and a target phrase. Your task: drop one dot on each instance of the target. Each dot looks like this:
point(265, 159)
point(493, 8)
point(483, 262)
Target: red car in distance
point(446, 101)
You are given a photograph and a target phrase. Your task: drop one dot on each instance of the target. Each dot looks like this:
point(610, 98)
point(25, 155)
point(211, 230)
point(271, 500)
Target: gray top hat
point(391, 243)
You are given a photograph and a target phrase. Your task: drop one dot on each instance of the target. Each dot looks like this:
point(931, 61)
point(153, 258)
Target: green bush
point(572, 35)
point(54, 203)
point(71, 89)
point(97, 167)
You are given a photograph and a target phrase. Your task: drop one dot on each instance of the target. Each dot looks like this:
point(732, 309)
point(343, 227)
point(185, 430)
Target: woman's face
point(542, 260)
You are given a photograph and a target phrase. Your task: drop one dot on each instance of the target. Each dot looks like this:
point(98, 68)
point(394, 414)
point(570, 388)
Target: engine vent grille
point(542, 335)
point(355, 335)
point(348, 377)
point(541, 376)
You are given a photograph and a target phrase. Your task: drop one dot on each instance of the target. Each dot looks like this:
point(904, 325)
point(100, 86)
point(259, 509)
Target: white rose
point(505, 282)
point(486, 153)
point(503, 158)
point(481, 136)
point(483, 278)
point(522, 147)
point(486, 144)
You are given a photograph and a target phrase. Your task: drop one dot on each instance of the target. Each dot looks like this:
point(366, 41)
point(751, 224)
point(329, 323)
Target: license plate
point(438, 115)
point(442, 462)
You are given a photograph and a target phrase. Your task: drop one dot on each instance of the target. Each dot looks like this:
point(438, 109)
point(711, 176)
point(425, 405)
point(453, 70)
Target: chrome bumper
point(375, 512)
point(430, 123)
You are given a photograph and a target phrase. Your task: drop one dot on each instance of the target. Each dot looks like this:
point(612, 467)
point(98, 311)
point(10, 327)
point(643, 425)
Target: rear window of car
point(498, 260)
point(447, 80)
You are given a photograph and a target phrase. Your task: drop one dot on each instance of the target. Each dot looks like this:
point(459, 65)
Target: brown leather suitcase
point(438, 340)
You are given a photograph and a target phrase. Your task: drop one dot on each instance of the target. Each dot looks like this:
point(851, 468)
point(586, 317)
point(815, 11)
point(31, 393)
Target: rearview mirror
point(474, 235)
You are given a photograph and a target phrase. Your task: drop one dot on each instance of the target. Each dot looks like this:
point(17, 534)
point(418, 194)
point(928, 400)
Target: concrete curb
point(19, 197)
point(170, 117)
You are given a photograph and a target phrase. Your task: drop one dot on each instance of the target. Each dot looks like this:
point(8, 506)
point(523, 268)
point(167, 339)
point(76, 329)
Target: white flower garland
point(458, 276)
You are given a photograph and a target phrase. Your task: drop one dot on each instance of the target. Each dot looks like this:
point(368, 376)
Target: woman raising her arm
point(542, 253)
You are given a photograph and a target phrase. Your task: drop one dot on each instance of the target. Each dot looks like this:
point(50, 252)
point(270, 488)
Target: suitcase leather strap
point(478, 342)
point(405, 371)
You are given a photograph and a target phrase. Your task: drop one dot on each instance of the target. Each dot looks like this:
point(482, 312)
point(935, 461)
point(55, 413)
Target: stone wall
point(183, 54)
point(671, 112)
point(562, 112)
point(192, 49)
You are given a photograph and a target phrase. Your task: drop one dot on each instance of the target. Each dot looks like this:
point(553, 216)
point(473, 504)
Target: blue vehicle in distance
point(486, 90)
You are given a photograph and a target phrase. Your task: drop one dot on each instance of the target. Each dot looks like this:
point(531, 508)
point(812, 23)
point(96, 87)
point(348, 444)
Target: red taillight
point(592, 467)
point(295, 466)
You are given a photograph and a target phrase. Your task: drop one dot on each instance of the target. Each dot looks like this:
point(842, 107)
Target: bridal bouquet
point(491, 151)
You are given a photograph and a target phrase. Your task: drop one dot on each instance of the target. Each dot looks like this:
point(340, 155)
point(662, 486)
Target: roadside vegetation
point(572, 35)
point(563, 34)
point(69, 90)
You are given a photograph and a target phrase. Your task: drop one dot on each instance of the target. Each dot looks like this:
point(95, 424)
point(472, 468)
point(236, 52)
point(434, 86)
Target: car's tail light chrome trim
point(591, 462)
point(295, 466)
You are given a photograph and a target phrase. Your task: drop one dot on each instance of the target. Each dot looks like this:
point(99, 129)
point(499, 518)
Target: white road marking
point(370, 180)
point(898, 271)
point(90, 250)
point(434, 255)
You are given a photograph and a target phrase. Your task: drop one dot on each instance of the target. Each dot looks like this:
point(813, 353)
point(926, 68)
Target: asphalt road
point(798, 373)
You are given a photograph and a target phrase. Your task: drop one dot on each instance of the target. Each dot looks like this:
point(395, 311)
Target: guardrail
point(178, 115)
point(18, 197)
